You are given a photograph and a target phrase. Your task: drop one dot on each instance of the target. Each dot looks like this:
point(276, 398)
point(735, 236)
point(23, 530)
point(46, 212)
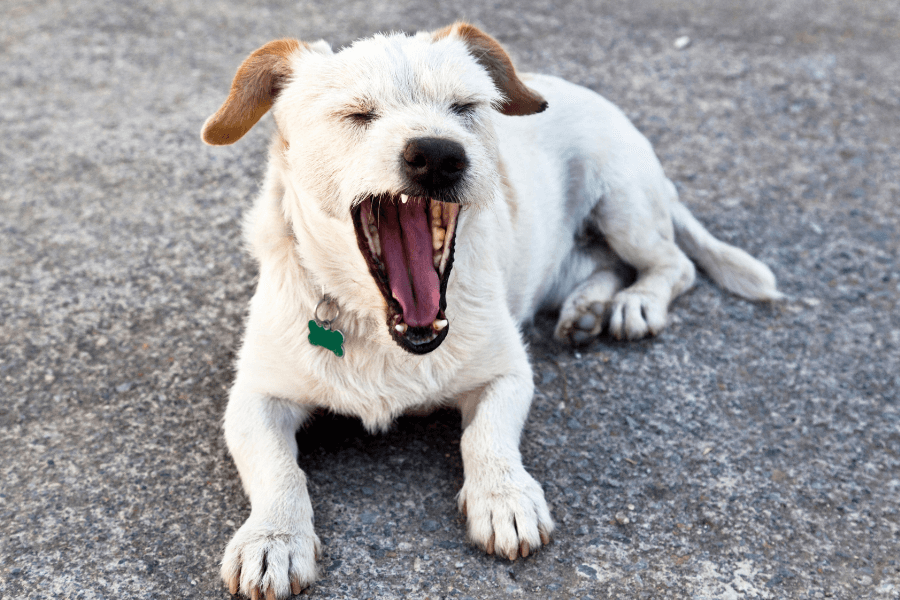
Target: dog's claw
point(296, 588)
point(234, 583)
point(524, 549)
point(545, 537)
point(255, 594)
point(513, 554)
point(464, 509)
point(490, 545)
point(270, 594)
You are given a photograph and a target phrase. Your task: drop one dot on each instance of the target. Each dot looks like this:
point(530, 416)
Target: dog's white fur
point(533, 183)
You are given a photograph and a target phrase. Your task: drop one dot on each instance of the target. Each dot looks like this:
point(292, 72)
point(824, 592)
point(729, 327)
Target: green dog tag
point(326, 338)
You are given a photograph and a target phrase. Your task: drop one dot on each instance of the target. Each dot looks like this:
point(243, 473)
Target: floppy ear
point(258, 81)
point(519, 98)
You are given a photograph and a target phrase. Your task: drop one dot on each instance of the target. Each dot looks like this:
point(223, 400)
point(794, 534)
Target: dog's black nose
point(434, 163)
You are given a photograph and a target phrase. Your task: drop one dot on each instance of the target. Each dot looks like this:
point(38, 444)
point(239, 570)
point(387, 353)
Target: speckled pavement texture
point(750, 451)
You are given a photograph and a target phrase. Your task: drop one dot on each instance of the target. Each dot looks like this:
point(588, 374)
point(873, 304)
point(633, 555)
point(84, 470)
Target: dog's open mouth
point(408, 244)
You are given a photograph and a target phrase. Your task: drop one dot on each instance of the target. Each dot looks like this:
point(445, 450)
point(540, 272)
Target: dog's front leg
point(503, 504)
point(274, 553)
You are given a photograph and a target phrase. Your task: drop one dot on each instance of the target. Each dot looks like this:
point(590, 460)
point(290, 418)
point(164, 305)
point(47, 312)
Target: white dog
point(395, 160)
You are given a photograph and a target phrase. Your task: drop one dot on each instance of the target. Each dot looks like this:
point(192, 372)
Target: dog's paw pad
point(261, 562)
point(580, 325)
point(636, 315)
point(508, 518)
point(586, 322)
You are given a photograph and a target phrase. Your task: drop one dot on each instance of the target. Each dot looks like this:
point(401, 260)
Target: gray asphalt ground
point(750, 451)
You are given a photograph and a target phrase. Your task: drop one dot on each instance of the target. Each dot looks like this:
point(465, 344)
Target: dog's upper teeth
point(436, 258)
point(437, 237)
point(375, 241)
point(400, 328)
point(439, 324)
point(404, 198)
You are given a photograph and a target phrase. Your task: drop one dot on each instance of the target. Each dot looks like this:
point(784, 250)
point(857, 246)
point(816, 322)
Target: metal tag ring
point(337, 312)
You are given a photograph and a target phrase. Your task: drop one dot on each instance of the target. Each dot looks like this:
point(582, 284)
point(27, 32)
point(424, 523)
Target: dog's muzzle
point(408, 244)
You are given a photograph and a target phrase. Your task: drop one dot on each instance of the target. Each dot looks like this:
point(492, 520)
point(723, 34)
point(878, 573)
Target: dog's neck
point(322, 266)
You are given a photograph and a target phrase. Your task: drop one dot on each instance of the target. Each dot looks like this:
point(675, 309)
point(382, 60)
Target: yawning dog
point(422, 201)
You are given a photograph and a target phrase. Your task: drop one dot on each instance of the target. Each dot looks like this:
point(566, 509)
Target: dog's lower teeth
point(400, 328)
point(404, 198)
point(439, 324)
point(436, 258)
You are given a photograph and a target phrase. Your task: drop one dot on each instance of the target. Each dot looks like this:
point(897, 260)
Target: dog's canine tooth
point(400, 328)
point(404, 198)
point(439, 324)
point(436, 211)
point(436, 259)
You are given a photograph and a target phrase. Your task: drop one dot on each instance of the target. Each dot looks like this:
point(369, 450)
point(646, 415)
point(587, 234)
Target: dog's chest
point(378, 386)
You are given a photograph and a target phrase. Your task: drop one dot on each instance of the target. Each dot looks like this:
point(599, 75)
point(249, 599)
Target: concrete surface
point(751, 451)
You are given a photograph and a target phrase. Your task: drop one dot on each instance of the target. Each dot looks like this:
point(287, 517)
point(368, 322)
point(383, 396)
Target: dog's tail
point(730, 267)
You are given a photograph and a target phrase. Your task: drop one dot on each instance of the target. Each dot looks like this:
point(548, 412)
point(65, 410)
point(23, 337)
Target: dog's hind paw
point(636, 315)
point(508, 518)
point(263, 562)
point(584, 312)
point(580, 324)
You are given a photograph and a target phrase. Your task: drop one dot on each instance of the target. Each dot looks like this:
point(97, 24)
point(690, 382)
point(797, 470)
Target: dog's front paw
point(507, 515)
point(265, 561)
point(636, 315)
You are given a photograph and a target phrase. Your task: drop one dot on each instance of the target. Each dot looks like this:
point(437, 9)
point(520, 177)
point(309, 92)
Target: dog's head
point(392, 134)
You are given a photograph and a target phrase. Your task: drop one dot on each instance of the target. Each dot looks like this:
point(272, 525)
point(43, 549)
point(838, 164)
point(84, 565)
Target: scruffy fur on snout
point(533, 191)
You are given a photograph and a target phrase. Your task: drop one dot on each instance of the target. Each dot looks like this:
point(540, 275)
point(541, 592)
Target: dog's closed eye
point(361, 117)
point(464, 109)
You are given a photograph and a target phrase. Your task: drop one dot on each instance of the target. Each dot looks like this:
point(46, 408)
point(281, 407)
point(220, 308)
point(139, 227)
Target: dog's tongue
point(406, 246)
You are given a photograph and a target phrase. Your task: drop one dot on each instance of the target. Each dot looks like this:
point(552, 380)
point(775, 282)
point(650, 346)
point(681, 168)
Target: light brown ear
point(256, 84)
point(520, 99)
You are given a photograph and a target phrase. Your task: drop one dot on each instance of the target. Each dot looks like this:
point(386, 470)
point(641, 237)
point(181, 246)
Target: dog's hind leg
point(635, 219)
